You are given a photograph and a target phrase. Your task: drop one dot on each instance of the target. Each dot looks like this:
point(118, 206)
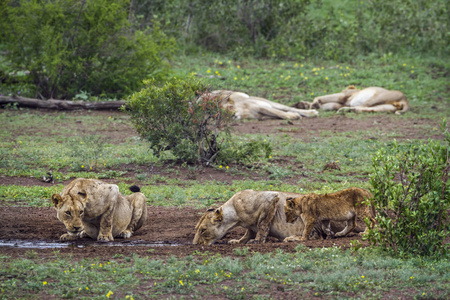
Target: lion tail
point(134, 189)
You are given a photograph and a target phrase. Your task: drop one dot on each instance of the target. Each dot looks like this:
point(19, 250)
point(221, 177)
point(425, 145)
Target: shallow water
point(36, 244)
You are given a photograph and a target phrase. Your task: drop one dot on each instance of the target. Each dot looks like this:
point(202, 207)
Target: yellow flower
point(404, 65)
point(412, 71)
point(301, 65)
point(209, 71)
point(235, 78)
point(220, 62)
point(44, 283)
point(109, 294)
point(238, 66)
point(326, 78)
point(181, 282)
point(228, 167)
point(220, 167)
point(362, 276)
point(306, 78)
point(82, 166)
point(87, 288)
point(312, 94)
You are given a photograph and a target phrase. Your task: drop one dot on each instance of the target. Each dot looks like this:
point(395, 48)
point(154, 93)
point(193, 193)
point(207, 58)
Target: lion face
point(208, 229)
point(70, 211)
point(292, 209)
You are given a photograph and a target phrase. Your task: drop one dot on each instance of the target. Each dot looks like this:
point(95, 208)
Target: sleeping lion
point(245, 106)
point(371, 99)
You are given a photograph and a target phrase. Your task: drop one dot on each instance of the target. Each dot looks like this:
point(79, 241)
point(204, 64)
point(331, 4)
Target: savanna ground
point(160, 260)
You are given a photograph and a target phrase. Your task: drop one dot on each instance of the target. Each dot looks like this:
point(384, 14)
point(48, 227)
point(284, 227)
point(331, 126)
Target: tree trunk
point(60, 104)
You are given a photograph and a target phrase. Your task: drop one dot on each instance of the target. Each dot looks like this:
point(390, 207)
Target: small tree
point(179, 116)
point(412, 197)
point(70, 46)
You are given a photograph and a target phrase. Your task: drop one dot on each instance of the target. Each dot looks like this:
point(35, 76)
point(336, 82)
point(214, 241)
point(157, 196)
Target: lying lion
point(344, 205)
point(245, 106)
point(89, 207)
point(260, 212)
point(372, 99)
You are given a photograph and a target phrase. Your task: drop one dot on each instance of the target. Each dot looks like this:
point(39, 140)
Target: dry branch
point(60, 104)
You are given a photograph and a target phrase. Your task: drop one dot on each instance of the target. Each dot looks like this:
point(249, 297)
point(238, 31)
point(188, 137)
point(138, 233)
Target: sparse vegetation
point(285, 51)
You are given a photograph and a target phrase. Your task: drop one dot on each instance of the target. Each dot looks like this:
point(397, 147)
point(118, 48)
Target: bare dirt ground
point(170, 230)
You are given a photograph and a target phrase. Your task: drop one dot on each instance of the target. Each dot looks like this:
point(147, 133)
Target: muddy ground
point(169, 230)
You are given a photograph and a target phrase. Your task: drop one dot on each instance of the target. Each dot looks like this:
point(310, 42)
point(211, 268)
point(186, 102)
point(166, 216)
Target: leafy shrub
point(70, 46)
point(411, 190)
point(172, 116)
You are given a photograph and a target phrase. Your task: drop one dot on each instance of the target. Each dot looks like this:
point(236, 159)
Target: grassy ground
point(307, 273)
point(47, 144)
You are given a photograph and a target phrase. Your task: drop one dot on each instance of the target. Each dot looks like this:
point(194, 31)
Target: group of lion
point(95, 209)
point(371, 99)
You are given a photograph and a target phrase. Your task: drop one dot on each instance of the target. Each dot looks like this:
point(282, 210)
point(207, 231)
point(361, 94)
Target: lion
point(341, 206)
point(250, 107)
point(260, 212)
point(371, 99)
point(92, 208)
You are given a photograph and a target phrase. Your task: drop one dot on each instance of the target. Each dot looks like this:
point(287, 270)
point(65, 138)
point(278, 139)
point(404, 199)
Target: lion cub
point(93, 208)
point(344, 205)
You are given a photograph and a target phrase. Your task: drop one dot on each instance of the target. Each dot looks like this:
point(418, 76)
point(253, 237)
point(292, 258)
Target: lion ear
point(351, 87)
point(290, 203)
point(56, 199)
point(218, 215)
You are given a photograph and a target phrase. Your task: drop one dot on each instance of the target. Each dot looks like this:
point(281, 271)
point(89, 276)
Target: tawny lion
point(345, 205)
point(371, 99)
point(260, 212)
point(245, 106)
point(93, 208)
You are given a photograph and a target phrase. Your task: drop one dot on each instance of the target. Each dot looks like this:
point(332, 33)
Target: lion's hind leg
point(265, 220)
point(139, 214)
point(348, 228)
point(249, 234)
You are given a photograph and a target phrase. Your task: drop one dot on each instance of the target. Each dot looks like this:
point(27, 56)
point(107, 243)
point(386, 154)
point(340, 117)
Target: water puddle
point(50, 245)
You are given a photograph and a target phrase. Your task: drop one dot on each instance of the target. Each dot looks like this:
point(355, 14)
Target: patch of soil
point(169, 226)
point(176, 225)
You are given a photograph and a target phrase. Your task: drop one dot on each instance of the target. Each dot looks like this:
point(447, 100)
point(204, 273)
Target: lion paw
point(105, 238)
point(233, 242)
point(293, 239)
point(68, 237)
point(254, 241)
point(126, 234)
point(343, 110)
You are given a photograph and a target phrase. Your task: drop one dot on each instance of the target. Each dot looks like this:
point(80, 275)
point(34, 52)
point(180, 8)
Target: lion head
point(208, 229)
point(70, 210)
point(292, 210)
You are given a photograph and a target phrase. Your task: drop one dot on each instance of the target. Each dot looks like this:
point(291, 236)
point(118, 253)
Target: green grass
point(327, 272)
point(69, 145)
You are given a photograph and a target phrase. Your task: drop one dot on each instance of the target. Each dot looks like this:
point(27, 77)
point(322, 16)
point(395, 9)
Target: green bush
point(70, 46)
point(411, 190)
point(172, 116)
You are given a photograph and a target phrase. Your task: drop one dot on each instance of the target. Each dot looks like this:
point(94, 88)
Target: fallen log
point(60, 104)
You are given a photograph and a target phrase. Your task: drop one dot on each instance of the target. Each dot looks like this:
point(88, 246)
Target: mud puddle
point(36, 244)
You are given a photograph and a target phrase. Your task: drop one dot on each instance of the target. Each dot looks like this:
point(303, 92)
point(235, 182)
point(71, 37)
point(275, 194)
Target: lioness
point(344, 205)
point(260, 212)
point(89, 207)
point(371, 99)
point(245, 106)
